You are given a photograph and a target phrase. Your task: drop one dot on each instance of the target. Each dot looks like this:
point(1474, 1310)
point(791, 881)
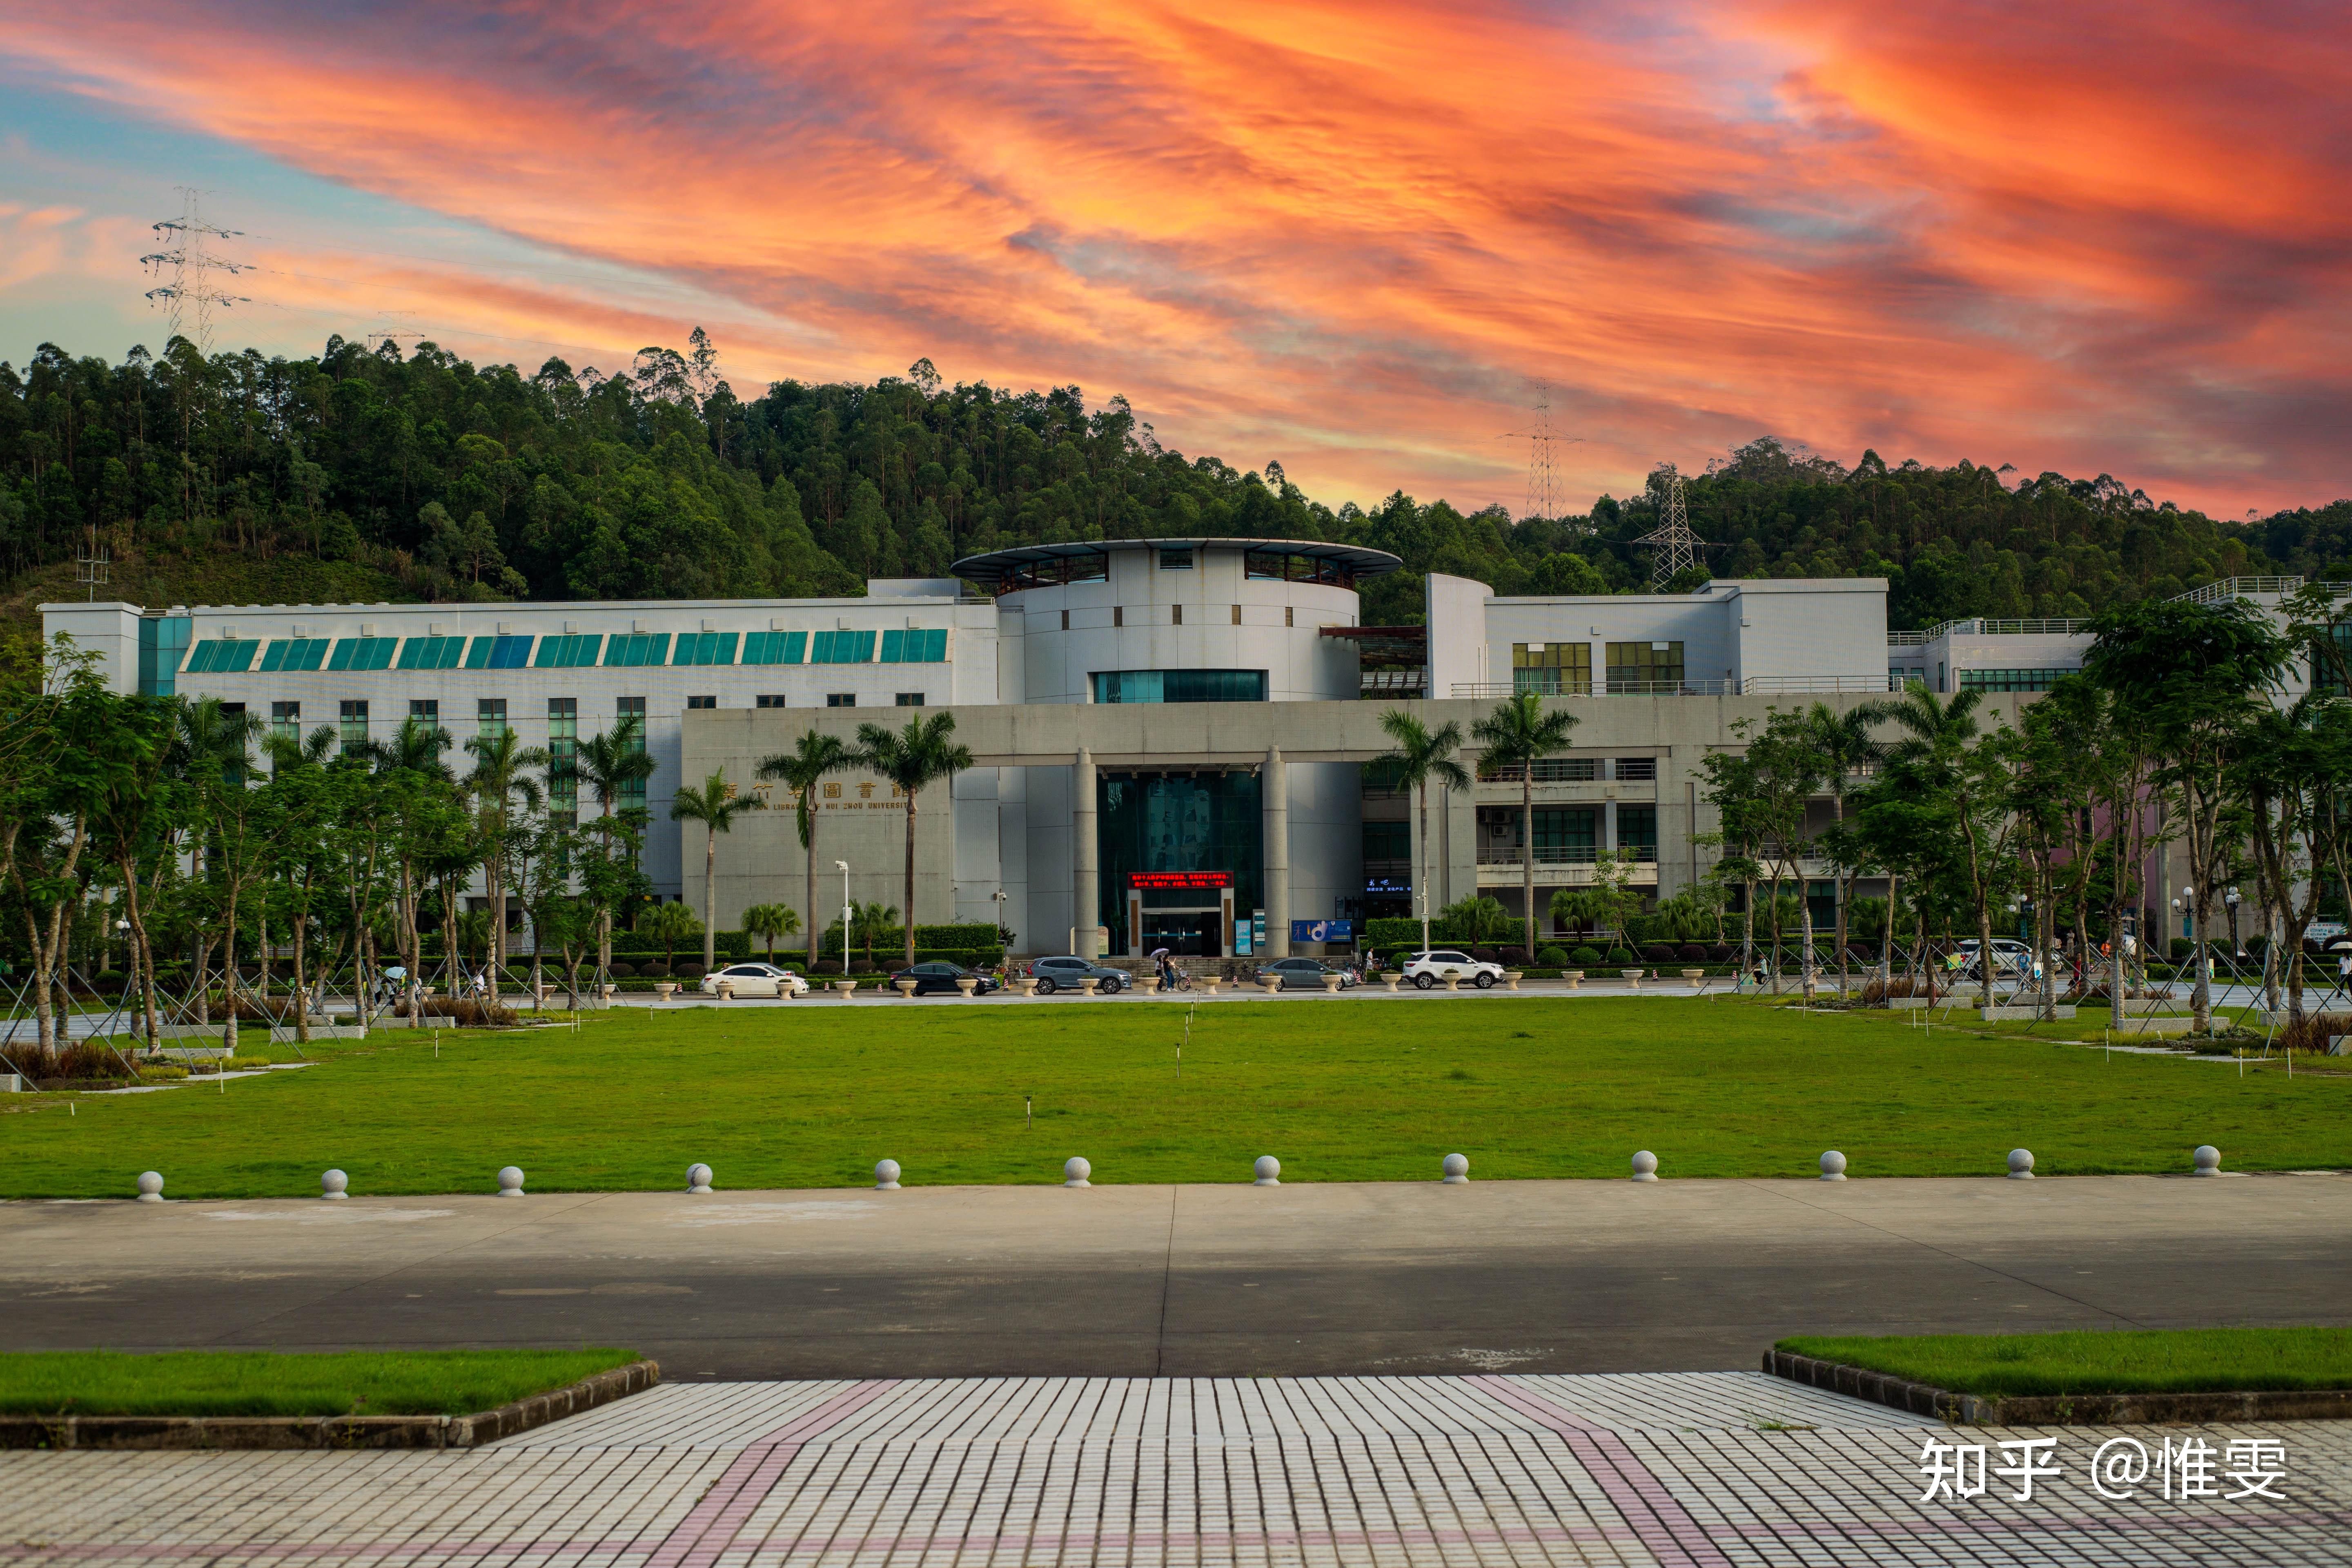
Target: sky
point(1360, 239)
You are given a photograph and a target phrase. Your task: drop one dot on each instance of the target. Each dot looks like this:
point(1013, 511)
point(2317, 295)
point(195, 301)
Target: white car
point(755, 980)
point(2011, 959)
point(1428, 969)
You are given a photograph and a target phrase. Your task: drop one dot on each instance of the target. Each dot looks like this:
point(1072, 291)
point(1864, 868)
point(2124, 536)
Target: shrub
point(1584, 958)
point(1691, 952)
point(1552, 958)
point(653, 970)
point(690, 971)
point(1659, 952)
point(1485, 955)
point(1718, 953)
point(619, 971)
point(1514, 957)
point(1618, 957)
point(2314, 1030)
point(826, 966)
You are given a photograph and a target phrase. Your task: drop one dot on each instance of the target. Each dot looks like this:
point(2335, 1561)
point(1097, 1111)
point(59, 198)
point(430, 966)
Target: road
point(1193, 1281)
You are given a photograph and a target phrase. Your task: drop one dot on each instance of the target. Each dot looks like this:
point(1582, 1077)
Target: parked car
point(1428, 969)
point(1303, 973)
point(939, 975)
point(1064, 974)
point(2010, 960)
point(755, 980)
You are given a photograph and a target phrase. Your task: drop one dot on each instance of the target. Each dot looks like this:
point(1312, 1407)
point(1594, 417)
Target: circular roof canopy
point(1001, 566)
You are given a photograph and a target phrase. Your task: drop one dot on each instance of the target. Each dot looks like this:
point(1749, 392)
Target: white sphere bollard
point(2208, 1158)
point(334, 1186)
point(1645, 1166)
point(1075, 1173)
point(885, 1175)
point(1269, 1171)
point(2021, 1164)
point(150, 1187)
point(697, 1178)
point(1832, 1166)
point(510, 1182)
point(1457, 1169)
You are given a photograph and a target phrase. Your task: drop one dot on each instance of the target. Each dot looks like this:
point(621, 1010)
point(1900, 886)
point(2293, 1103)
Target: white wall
point(109, 629)
point(1454, 609)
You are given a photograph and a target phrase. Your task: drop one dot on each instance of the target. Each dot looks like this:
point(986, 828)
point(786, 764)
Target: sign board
point(1258, 931)
point(1322, 930)
point(1389, 885)
point(1162, 881)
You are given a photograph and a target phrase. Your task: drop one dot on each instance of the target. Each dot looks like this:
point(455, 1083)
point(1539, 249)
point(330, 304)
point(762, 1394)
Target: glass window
point(1270, 566)
point(2012, 679)
point(1180, 686)
point(841, 700)
point(364, 652)
point(355, 726)
point(769, 699)
point(424, 710)
point(498, 653)
point(1388, 841)
point(632, 795)
point(162, 643)
point(1552, 669)
point(2331, 659)
point(431, 653)
point(1178, 822)
point(1175, 560)
point(705, 647)
point(285, 721)
point(775, 647)
point(629, 650)
point(294, 653)
point(571, 651)
point(1637, 829)
point(222, 656)
point(915, 645)
point(910, 699)
point(695, 702)
point(1646, 667)
point(840, 648)
point(1567, 834)
point(490, 717)
point(1175, 615)
point(562, 752)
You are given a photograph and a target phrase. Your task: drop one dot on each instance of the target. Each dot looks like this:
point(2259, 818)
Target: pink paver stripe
point(711, 1527)
point(1664, 1525)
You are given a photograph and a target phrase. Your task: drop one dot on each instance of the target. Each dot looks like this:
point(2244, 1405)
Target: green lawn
point(2169, 1360)
point(264, 1382)
point(812, 1095)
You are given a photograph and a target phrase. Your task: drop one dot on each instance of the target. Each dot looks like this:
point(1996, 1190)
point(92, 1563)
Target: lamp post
point(2237, 942)
point(842, 866)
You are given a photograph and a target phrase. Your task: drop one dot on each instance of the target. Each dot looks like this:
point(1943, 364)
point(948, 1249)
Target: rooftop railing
point(2241, 588)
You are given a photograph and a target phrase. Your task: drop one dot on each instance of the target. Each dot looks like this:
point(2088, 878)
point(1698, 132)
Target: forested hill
point(380, 474)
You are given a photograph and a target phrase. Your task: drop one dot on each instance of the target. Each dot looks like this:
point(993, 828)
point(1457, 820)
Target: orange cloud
point(1351, 237)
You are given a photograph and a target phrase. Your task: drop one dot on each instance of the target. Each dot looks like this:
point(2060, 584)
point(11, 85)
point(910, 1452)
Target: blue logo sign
point(1322, 930)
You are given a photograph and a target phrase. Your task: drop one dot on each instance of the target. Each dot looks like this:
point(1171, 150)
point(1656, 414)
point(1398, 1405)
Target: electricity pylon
point(1545, 497)
point(1674, 548)
point(191, 294)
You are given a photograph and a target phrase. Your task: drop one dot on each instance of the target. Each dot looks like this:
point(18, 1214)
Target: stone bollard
point(2021, 1164)
point(510, 1182)
point(697, 1178)
point(1269, 1171)
point(1832, 1166)
point(334, 1186)
point(885, 1175)
point(1074, 1172)
point(1645, 1166)
point(1456, 1169)
point(2208, 1158)
point(150, 1187)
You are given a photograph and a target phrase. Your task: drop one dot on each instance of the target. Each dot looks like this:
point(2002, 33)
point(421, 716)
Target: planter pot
point(1698, 977)
point(843, 988)
point(1453, 980)
point(1148, 984)
point(1511, 977)
point(605, 992)
point(665, 989)
point(966, 984)
point(1331, 983)
point(1212, 984)
point(1027, 984)
point(727, 991)
point(1086, 984)
point(1575, 978)
point(1269, 986)
point(1389, 978)
point(1633, 978)
point(905, 988)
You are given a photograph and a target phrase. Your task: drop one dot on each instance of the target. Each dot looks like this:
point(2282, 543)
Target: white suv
point(1428, 969)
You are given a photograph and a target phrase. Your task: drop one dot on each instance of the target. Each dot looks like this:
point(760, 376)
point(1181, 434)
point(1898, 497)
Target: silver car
point(755, 980)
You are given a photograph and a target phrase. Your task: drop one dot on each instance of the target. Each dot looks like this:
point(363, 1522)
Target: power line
point(190, 295)
point(1546, 498)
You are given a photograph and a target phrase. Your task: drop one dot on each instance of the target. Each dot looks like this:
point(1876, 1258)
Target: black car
point(1065, 973)
point(1303, 973)
point(937, 977)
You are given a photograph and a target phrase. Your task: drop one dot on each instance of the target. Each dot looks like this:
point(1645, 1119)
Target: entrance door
point(1188, 933)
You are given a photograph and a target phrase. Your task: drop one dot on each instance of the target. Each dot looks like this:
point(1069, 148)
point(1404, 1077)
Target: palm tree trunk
point(1527, 855)
point(909, 906)
point(710, 896)
point(1421, 887)
point(1887, 936)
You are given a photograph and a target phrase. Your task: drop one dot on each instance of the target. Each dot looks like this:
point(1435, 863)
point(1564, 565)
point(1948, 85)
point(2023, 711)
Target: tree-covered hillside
point(422, 476)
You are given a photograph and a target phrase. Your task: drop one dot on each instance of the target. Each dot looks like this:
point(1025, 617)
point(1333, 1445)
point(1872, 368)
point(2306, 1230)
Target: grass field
point(263, 1383)
point(812, 1096)
point(2169, 1360)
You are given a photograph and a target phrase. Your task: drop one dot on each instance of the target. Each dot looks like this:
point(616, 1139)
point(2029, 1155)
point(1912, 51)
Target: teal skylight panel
point(431, 653)
point(223, 655)
point(840, 648)
point(775, 647)
point(364, 652)
point(293, 653)
point(572, 651)
point(706, 647)
point(629, 650)
point(498, 653)
point(916, 645)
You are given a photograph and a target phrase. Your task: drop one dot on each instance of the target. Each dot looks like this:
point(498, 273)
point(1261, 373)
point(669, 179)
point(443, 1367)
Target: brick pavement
point(1685, 1470)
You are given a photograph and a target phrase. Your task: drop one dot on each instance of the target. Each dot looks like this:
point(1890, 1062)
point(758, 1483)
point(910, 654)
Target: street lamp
point(842, 866)
point(2237, 942)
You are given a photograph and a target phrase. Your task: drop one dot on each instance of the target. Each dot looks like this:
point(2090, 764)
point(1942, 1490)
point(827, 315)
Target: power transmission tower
point(191, 293)
point(1674, 548)
point(1545, 496)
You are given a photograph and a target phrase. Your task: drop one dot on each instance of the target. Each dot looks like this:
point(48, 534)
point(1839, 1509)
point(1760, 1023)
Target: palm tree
point(921, 754)
point(768, 921)
point(210, 757)
point(1516, 734)
point(1845, 746)
point(612, 762)
point(812, 757)
point(1420, 756)
point(864, 922)
point(716, 806)
point(669, 924)
point(498, 778)
point(1940, 739)
point(416, 747)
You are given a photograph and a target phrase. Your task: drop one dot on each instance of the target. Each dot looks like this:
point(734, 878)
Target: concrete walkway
point(1306, 1278)
point(1710, 1472)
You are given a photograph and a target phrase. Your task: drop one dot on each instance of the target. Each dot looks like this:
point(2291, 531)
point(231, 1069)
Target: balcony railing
point(1563, 855)
point(2242, 587)
point(1754, 685)
point(2061, 626)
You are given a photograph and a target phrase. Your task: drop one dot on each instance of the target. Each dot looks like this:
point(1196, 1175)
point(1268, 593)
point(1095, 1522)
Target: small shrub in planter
point(1552, 958)
point(619, 971)
point(1691, 952)
point(655, 970)
point(1659, 952)
point(1584, 958)
point(690, 971)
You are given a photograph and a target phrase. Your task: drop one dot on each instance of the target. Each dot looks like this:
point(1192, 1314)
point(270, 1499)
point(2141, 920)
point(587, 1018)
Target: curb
point(327, 1431)
point(2063, 1409)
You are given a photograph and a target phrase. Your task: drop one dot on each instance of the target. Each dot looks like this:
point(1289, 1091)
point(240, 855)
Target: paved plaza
point(1707, 1470)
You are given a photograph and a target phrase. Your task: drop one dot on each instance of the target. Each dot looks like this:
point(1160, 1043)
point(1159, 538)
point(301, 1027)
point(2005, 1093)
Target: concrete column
point(1274, 792)
point(1086, 900)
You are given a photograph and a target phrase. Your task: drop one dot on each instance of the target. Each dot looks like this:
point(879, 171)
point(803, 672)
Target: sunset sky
point(1351, 237)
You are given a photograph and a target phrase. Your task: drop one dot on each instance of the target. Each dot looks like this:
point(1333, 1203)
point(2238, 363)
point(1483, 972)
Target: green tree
point(615, 763)
point(1516, 736)
point(923, 753)
point(1420, 756)
point(1607, 902)
point(716, 806)
point(501, 778)
point(1844, 748)
point(813, 758)
point(768, 921)
point(669, 924)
